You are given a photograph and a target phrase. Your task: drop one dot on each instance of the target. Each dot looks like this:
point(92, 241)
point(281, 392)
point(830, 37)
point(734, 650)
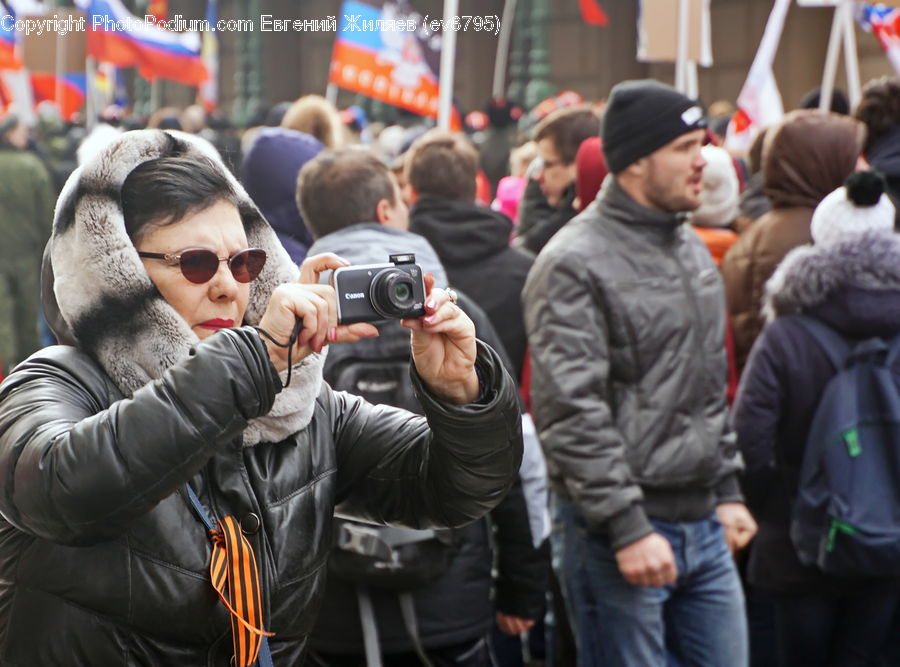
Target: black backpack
point(391, 559)
point(846, 517)
point(395, 559)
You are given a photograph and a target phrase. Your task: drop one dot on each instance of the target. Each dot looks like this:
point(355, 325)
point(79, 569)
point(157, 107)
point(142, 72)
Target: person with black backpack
point(404, 597)
point(818, 422)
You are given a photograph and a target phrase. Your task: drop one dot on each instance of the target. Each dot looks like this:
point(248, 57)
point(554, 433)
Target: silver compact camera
point(376, 292)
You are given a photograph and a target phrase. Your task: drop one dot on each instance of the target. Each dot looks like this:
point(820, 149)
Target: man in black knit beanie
point(625, 315)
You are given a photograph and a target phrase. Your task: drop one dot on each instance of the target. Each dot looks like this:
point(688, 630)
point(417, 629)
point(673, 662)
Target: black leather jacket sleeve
point(444, 470)
point(78, 462)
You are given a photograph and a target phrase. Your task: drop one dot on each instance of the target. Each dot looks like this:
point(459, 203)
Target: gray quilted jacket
point(625, 313)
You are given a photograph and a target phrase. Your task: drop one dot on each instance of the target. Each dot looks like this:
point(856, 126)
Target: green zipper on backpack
point(851, 440)
point(838, 527)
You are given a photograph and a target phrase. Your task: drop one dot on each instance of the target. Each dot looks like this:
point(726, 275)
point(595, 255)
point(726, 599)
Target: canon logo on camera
point(354, 295)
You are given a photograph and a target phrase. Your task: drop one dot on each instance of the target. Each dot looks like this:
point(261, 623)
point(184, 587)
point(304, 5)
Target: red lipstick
point(217, 324)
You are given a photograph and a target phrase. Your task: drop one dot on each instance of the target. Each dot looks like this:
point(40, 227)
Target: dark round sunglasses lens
point(199, 266)
point(247, 265)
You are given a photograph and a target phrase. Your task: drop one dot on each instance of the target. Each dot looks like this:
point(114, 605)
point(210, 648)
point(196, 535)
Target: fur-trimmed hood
point(854, 285)
point(102, 299)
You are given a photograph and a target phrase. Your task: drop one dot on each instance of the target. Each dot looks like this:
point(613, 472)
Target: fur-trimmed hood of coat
point(854, 283)
point(103, 301)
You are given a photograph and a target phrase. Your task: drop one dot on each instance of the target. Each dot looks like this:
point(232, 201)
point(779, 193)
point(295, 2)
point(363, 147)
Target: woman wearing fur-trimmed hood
point(172, 457)
point(849, 279)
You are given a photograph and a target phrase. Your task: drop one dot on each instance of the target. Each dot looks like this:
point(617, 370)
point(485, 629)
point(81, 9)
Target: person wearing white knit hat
point(721, 190)
point(857, 206)
point(718, 202)
point(848, 279)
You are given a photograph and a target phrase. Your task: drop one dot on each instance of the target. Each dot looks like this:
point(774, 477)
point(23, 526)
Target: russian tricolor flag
point(8, 57)
point(884, 22)
point(117, 36)
point(74, 90)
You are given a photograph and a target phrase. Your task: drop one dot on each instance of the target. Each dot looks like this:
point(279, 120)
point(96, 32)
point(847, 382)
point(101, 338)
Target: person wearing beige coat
point(805, 157)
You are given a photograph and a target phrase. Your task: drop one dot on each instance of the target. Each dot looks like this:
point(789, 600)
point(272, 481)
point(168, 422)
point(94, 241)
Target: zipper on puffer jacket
point(696, 335)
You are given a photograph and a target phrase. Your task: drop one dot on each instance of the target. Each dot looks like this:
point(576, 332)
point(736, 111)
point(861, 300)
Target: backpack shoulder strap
point(369, 627)
point(893, 350)
point(408, 611)
point(832, 343)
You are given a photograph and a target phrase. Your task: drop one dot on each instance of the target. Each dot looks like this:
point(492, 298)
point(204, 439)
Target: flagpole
point(155, 94)
point(59, 65)
point(448, 60)
point(692, 87)
point(851, 58)
point(331, 93)
point(831, 58)
point(681, 59)
point(509, 12)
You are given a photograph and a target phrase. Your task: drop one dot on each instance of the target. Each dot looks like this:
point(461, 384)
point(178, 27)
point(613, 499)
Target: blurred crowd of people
point(621, 261)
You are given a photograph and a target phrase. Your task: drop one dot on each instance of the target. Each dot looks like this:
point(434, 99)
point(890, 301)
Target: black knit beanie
point(642, 116)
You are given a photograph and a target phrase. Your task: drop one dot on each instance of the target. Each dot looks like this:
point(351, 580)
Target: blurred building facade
point(560, 52)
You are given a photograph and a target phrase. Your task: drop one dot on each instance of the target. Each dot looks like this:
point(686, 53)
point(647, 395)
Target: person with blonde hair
point(315, 115)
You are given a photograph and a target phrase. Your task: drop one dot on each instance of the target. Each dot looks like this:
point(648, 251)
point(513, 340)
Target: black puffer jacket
point(626, 320)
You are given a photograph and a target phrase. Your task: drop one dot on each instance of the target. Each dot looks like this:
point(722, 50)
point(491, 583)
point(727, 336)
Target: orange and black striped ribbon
point(236, 579)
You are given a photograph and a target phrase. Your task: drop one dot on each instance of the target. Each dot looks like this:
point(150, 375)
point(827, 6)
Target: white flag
point(759, 103)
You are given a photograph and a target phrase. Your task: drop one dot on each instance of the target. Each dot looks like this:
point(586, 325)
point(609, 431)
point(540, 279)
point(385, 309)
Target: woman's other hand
point(316, 306)
point(443, 347)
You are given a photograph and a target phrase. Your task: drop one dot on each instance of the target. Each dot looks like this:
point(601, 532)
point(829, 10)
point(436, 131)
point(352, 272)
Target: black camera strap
point(289, 345)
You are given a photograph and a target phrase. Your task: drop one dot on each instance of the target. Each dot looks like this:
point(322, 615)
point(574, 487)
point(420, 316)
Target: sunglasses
point(199, 265)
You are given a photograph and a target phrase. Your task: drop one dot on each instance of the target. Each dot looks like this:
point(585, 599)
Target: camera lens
point(402, 292)
point(391, 293)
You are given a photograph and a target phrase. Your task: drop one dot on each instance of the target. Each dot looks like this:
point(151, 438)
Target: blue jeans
point(698, 621)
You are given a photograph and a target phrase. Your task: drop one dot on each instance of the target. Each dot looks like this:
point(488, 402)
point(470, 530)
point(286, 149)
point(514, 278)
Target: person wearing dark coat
point(172, 470)
point(455, 612)
point(472, 241)
point(879, 110)
point(849, 279)
point(548, 202)
point(26, 213)
point(269, 174)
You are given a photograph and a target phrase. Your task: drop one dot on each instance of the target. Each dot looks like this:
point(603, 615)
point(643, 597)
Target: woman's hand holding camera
point(315, 305)
point(443, 341)
point(443, 347)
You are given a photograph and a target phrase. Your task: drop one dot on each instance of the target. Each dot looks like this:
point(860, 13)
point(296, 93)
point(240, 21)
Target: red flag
point(592, 13)
point(159, 9)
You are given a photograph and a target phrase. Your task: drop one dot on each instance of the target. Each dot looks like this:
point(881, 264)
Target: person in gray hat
point(625, 313)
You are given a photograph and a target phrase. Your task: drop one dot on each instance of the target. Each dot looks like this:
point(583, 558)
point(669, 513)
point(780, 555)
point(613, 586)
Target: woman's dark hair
point(163, 190)
point(879, 109)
